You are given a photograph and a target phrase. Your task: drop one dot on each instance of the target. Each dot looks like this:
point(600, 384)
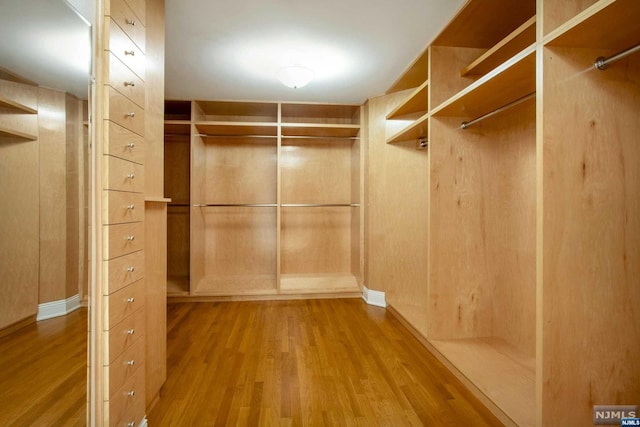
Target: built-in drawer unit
point(122, 271)
point(125, 49)
point(126, 19)
point(123, 175)
point(125, 112)
point(122, 143)
point(127, 405)
point(125, 81)
point(124, 366)
point(124, 206)
point(123, 239)
point(122, 335)
point(124, 303)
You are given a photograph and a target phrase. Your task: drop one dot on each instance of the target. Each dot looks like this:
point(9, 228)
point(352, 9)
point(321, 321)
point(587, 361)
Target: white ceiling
point(233, 49)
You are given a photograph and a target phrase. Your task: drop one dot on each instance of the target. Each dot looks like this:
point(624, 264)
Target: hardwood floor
point(43, 373)
point(309, 362)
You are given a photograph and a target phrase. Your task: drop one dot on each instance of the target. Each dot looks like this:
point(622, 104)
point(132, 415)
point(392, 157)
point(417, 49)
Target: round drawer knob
point(130, 52)
point(130, 22)
point(131, 238)
point(131, 362)
point(131, 393)
point(131, 269)
point(132, 175)
point(131, 424)
point(131, 300)
point(131, 145)
point(131, 331)
point(131, 207)
point(132, 84)
point(131, 114)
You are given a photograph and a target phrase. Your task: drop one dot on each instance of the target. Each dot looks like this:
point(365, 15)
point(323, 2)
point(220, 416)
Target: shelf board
point(177, 286)
point(416, 130)
point(237, 128)
point(322, 130)
point(608, 24)
point(512, 80)
point(318, 283)
point(523, 37)
point(177, 127)
point(8, 103)
point(12, 133)
point(417, 103)
point(414, 75)
point(502, 373)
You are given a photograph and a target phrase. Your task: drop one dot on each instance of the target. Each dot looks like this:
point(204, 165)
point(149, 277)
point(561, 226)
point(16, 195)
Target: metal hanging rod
point(319, 205)
point(234, 205)
point(465, 125)
point(602, 63)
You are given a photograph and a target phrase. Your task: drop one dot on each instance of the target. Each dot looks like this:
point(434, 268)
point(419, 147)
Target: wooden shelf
point(608, 24)
point(523, 37)
point(415, 75)
point(12, 133)
point(237, 129)
point(318, 283)
point(320, 130)
point(177, 127)
point(514, 79)
point(416, 104)
point(499, 371)
point(236, 285)
point(8, 103)
point(236, 111)
point(177, 286)
point(418, 129)
point(345, 114)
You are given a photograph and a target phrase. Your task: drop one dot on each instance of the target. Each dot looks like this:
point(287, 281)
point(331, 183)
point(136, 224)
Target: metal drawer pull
point(131, 424)
point(130, 22)
point(131, 145)
point(132, 84)
point(131, 331)
point(131, 269)
point(131, 362)
point(131, 175)
point(131, 300)
point(130, 52)
point(131, 238)
point(131, 114)
point(131, 393)
point(131, 207)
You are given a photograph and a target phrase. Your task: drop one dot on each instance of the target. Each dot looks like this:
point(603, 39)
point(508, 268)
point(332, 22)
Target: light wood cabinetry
point(530, 210)
point(265, 198)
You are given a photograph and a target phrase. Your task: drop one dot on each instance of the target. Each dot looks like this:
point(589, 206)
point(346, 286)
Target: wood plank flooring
point(43, 373)
point(309, 362)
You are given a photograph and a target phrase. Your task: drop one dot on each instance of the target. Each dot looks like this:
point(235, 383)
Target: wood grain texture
point(122, 143)
point(414, 75)
point(444, 72)
point(557, 12)
point(118, 43)
point(18, 108)
point(125, 112)
point(125, 81)
point(314, 362)
point(123, 15)
point(591, 234)
point(43, 379)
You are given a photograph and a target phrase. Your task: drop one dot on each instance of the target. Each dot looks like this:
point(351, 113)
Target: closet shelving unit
point(18, 113)
point(273, 199)
point(415, 108)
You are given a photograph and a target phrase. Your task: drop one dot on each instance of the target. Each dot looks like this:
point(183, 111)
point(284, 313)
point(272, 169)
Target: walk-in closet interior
point(487, 199)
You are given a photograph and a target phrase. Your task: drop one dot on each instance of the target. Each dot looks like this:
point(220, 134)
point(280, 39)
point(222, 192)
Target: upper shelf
point(512, 80)
point(416, 130)
point(414, 76)
point(608, 24)
point(14, 105)
point(177, 127)
point(235, 111)
point(330, 114)
point(13, 133)
point(521, 38)
point(320, 130)
point(416, 104)
point(237, 129)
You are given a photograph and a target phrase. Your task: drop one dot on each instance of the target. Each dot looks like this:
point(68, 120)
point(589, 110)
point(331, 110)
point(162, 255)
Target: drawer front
point(139, 8)
point(125, 112)
point(124, 303)
point(121, 142)
point(124, 206)
point(124, 16)
point(123, 175)
point(122, 335)
point(122, 369)
point(123, 239)
point(125, 81)
point(123, 271)
point(125, 49)
point(126, 407)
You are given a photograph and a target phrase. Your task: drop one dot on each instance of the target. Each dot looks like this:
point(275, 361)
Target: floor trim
point(58, 308)
point(372, 297)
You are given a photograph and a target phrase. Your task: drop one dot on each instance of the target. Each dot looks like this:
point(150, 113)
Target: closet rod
point(602, 63)
point(205, 135)
point(319, 137)
point(465, 125)
point(319, 205)
point(232, 205)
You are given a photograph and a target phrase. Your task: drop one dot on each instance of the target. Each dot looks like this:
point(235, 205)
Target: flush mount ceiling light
point(295, 76)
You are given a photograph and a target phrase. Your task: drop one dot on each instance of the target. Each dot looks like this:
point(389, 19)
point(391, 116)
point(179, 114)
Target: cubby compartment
point(18, 112)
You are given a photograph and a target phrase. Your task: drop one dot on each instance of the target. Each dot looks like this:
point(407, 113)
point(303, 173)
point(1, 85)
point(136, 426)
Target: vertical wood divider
point(278, 198)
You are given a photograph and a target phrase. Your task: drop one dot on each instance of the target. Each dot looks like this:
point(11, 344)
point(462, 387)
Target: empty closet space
point(590, 193)
point(270, 194)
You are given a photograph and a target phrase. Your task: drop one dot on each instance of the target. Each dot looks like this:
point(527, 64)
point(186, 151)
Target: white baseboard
point(371, 297)
point(144, 423)
point(61, 307)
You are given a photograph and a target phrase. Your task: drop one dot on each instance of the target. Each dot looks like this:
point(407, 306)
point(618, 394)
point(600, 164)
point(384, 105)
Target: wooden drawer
point(122, 335)
point(122, 239)
point(124, 366)
point(125, 81)
point(124, 303)
point(124, 16)
point(126, 407)
point(121, 142)
point(122, 175)
point(125, 112)
point(139, 8)
point(125, 49)
point(123, 206)
point(122, 271)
